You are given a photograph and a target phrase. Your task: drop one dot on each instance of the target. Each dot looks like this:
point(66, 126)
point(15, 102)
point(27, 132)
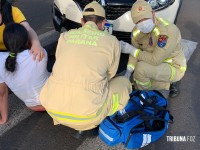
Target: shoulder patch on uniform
point(162, 40)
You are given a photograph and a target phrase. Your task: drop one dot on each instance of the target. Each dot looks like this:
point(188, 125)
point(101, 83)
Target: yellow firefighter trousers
point(149, 77)
point(118, 96)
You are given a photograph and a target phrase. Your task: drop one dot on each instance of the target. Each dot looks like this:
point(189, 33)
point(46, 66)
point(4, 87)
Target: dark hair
point(15, 38)
point(94, 18)
point(6, 12)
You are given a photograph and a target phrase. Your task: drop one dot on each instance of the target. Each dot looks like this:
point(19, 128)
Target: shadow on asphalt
point(38, 132)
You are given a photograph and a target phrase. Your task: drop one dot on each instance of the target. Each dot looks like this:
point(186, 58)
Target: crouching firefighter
point(156, 56)
point(81, 90)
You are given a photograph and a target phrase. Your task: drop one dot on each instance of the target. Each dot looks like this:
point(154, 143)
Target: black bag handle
point(146, 118)
point(130, 115)
point(127, 116)
point(131, 133)
point(156, 107)
point(147, 101)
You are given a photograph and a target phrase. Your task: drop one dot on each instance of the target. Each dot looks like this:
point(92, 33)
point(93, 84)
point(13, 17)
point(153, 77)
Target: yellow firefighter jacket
point(77, 89)
point(161, 45)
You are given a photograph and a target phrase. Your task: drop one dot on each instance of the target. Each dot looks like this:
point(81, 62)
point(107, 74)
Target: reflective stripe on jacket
point(86, 60)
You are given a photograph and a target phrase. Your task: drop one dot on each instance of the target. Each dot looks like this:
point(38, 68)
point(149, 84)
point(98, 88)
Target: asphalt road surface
point(37, 131)
point(37, 13)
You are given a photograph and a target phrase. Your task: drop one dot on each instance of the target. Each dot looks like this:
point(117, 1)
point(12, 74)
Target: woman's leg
point(37, 108)
point(3, 103)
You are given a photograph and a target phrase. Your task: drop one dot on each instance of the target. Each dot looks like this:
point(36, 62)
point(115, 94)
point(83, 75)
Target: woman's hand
point(37, 51)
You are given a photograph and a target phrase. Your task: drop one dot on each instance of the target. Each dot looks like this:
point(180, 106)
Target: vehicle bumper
point(125, 23)
point(122, 26)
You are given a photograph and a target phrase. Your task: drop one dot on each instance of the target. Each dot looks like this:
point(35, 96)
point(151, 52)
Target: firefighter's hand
point(127, 48)
point(128, 73)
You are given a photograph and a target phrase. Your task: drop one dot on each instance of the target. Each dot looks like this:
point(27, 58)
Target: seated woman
point(24, 76)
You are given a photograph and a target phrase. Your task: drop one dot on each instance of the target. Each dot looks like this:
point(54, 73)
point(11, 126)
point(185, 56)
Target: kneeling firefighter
point(81, 90)
point(156, 56)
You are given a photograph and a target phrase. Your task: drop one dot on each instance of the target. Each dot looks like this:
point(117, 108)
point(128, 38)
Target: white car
point(68, 14)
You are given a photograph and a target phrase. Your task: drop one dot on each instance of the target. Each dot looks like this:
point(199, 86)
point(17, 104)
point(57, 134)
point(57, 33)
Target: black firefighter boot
point(174, 89)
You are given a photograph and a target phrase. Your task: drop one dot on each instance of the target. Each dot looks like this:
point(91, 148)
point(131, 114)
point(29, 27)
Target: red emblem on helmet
point(140, 8)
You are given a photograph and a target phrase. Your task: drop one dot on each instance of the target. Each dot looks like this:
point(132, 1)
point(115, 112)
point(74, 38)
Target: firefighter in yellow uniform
point(156, 55)
point(81, 90)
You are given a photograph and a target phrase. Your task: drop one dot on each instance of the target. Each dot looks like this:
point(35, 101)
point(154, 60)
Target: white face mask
point(146, 26)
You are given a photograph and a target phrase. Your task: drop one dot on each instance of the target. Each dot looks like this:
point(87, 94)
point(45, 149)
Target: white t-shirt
point(27, 79)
